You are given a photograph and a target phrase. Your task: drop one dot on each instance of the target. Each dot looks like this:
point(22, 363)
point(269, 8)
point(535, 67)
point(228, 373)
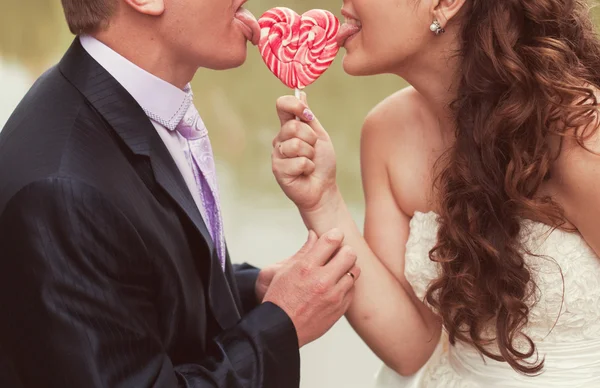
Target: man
point(113, 264)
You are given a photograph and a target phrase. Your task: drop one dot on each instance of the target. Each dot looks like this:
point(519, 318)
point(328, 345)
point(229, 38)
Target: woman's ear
point(445, 10)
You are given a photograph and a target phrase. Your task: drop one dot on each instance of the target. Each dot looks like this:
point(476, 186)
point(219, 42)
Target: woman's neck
point(435, 75)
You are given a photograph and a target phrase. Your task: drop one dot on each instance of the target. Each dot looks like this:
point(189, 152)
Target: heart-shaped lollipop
point(298, 49)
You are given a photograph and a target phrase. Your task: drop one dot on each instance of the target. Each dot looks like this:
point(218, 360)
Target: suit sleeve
point(246, 276)
point(78, 304)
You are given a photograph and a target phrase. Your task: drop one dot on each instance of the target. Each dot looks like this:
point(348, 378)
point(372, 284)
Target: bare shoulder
point(576, 185)
point(396, 113)
point(576, 175)
point(399, 134)
point(397, 124)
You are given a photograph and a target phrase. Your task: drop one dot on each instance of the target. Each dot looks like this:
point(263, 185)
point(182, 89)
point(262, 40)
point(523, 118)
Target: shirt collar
point(163, 102)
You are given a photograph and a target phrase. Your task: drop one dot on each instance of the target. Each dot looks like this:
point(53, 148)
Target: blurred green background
point(238, 106)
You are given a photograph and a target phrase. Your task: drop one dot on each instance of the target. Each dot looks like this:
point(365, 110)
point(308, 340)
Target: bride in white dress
point(569, 340)
point(479, 259)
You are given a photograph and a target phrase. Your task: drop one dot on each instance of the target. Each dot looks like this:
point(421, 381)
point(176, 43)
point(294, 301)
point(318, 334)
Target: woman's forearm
point(384, 312)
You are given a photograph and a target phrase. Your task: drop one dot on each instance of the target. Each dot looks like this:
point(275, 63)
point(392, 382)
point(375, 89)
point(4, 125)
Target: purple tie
point(200, 157)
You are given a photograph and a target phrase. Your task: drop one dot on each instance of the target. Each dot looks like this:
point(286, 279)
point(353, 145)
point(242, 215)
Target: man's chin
point(229, 61)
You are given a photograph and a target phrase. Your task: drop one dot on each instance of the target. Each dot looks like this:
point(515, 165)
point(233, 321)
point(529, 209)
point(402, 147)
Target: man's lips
point(250, 25)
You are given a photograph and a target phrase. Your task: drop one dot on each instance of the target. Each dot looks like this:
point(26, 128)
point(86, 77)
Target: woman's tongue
point(252, 29)
point(345, 32)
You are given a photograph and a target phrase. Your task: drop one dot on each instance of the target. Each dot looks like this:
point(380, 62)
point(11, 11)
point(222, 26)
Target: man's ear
point(444, 10)
point(147, 7)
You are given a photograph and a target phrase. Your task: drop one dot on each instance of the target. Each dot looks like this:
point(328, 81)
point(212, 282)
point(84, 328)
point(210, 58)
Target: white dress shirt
point(160, 100)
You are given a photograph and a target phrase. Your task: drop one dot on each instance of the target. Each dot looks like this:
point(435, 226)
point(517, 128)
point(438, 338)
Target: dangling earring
point(436, 27)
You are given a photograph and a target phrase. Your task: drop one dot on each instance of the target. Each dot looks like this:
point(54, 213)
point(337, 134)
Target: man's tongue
point(253, 29)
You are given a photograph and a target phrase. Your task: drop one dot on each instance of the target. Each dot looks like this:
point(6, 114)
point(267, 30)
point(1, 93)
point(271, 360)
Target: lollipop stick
point(297, 94)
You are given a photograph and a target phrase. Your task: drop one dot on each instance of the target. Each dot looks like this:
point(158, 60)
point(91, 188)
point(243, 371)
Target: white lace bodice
point(566, 329)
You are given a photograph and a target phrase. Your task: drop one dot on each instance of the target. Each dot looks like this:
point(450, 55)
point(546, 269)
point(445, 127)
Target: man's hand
point(314, 287)
point(264, 280)
point(266, 274)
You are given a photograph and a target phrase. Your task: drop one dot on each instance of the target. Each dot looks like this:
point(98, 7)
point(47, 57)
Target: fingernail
point(335, 235)
point(308, 115)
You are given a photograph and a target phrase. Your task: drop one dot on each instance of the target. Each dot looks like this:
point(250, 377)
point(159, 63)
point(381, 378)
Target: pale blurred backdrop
point(238, 106)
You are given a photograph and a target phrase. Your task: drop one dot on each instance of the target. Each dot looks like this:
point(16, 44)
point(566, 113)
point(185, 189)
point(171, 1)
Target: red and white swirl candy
point(298, 49)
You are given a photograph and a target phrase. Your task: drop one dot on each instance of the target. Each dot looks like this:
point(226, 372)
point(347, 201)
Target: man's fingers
point(346, 284)
point(310, 242)
point(324, 249)
point(354, 273)
point(340, 265)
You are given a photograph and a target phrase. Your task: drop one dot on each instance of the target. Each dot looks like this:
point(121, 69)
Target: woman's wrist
point(326, 214)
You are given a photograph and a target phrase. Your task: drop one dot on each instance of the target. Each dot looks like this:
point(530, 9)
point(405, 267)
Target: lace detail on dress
point(564, 320)
point(418, 268)
point(575, 317)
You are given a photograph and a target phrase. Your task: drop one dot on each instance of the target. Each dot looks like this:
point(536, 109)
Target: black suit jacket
point(109, 276)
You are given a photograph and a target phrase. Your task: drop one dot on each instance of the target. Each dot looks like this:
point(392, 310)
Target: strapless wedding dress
point(565, 330)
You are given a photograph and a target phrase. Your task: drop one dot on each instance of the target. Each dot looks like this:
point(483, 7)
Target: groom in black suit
point(111, 265)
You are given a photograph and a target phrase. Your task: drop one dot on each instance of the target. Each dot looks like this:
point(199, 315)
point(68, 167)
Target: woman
point(482, 191)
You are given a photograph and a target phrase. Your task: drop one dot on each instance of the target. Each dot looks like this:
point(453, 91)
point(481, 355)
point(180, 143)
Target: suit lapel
point(127, 118)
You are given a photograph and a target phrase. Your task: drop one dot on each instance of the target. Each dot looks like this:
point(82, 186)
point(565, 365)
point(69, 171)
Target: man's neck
point(148, 53)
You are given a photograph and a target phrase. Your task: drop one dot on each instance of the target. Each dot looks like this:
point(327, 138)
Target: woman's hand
point(303, 158)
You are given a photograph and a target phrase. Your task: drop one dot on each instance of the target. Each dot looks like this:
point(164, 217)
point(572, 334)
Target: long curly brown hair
point(527, 75)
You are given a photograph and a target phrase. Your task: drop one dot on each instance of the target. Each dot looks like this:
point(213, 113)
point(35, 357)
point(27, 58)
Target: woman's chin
point(355, 67)
point(350, 65)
